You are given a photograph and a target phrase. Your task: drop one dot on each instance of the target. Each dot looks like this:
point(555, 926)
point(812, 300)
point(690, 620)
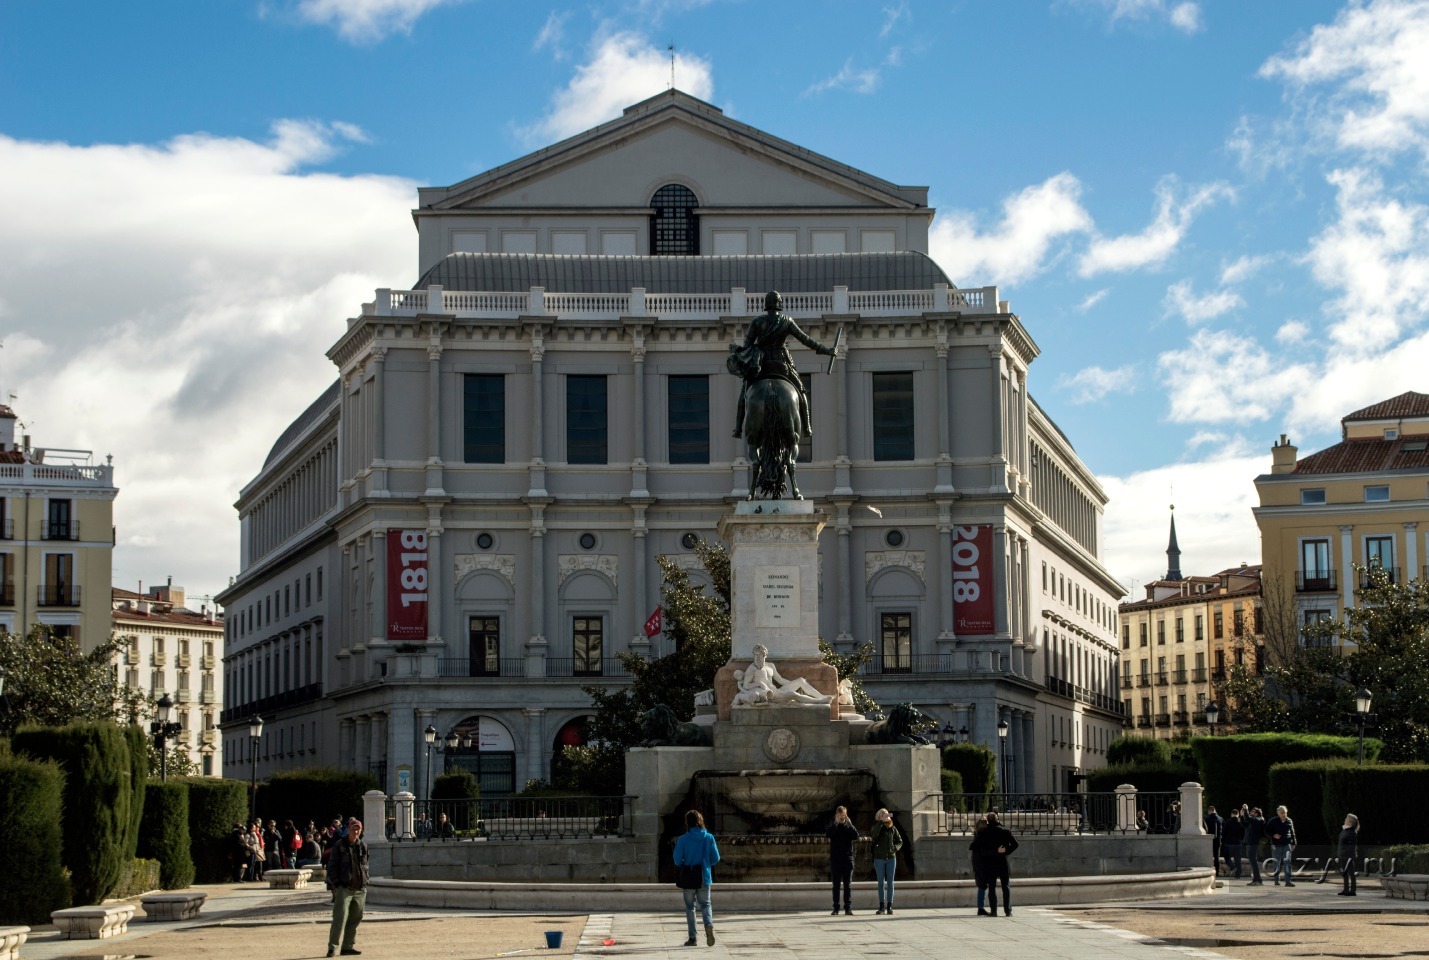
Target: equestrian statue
point(773, 414)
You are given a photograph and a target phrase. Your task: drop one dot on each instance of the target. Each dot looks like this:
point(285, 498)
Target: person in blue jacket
point(697, 848)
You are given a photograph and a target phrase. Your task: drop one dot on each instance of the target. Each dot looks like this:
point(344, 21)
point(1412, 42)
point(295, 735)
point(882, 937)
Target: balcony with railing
point(182, 696)
point(131, 656)
point(1144, 680)
point(7, 529)
point(1315, 581)
point(1218, 675)
point(581, 667)
point(1163, 719)
point(1162, 678)
point(1178, 676)
point(1126, 683)
point(481, 668)
point(58, 595)
point(1181, 718)
point(182, 660)
point(61, 474)
point(265, 705)
point(1143, 721)
point(1198, 675)
point(59, 530)
point(207, 662)
point(1393, 573)
point(738, 302)
point(207, 696)
point(158, 658)
point(7, 594)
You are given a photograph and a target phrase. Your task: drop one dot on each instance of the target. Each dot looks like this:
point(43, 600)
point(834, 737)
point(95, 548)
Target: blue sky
point(1211, 216)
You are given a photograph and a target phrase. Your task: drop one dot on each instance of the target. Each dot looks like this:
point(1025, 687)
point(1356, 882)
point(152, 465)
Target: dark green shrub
point(1145, 777)
point(1133, 750)
point(214, 807)
point(138, 741)
point(1183, 754)
point(597, 770)
point(976, 764)
point(318, 794)
point(1407, 857)
point(136, 876)
point(1300, 787)
point(164, 833)
point(97, 820)
point(35, 882)
point(458, 785)
point(1236, 769)
point(1389, 801)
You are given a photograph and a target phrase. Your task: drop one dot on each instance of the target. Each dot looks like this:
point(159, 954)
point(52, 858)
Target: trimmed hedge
point(974, 763)
point(1389, 800)
point(318, 794)
point(1407, 857)
point(136, 876)
point(164, 833)
point(31, 793)
point(458, 785)
point(1300, 787)
point(1236, 769)
point(952, 781)
point(1128, 750)
point(1146, 777)
point(214, 807)
point(99, 821)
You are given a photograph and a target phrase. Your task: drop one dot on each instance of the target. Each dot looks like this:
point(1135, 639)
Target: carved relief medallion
point(782, 745)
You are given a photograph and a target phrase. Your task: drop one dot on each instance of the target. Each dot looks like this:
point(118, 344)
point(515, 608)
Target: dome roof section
point(809, 273)
point(305, 419)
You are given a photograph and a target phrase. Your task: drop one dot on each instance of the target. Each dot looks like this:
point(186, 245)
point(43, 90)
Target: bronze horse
point(771, 435)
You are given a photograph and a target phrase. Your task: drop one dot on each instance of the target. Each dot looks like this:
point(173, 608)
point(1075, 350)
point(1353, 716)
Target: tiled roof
point(1367, 456)
point(6, 413)
point(177, 618)
point(12, 456)
point(799, 273)
point(1407, 404)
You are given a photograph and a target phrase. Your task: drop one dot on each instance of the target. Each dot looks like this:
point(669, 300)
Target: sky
point(1211, 216)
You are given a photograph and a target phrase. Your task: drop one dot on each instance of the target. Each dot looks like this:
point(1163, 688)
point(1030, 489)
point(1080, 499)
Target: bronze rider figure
point(763, 356)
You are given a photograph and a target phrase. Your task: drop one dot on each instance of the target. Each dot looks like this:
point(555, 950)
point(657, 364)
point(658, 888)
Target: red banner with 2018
point(972, 581)
point(406, 585)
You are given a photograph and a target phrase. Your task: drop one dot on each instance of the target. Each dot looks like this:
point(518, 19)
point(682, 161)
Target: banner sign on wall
point(972, 581)
point(407, 585)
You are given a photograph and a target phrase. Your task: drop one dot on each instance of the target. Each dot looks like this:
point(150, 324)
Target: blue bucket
point(553, 939)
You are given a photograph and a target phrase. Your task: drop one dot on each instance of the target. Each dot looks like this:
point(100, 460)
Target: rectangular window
point(1126, 636)
point(308, 590)
point(59, 520)
point(1314, 496)
point(1379, 552)
point(1044, 576)
point(587, 641)
point(1238, 623)
point(320, 584)
point(1220, 625)
point(586, 425)
point(59, 589)
point(1376, 494)
point(1180, 630)
point(689, 419)
point(1160, 632)
point(483, 423)
point(893, 416)
point(1143, 634)
point(1200, 627)
point(896, 633)
point(485, 656)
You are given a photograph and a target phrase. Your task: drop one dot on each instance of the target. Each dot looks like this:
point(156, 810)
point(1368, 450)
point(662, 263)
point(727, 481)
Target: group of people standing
point(255, 848)
point(1236, 840)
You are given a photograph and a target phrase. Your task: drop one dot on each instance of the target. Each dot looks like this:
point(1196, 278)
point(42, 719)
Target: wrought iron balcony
point(58, 595)
point(1314, 581)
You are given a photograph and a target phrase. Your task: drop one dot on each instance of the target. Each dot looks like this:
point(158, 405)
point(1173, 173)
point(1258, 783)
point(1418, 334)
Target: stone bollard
point(1126, 807)
point(1191, 817)
point(374, 817)
point(406, 822)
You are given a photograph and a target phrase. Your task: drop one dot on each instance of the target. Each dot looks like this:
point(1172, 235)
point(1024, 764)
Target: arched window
point(673, 230)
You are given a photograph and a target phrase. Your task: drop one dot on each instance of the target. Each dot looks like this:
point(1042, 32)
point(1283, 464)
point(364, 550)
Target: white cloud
point(1378, 54)
point(1092, 299)
point(1219, 377)
point(1243, 268)
point(1093, 383)
point(1376, 253)
point(1292, 333)
point(624, 68)
point(1160, 239)
point(1182, 300)
point(367, 21)
point(892, 15)
point(848, 78)
point(174, 287)
point(553, 34)
point(1214, 496)
point(1018, 247)
point(1185, 16)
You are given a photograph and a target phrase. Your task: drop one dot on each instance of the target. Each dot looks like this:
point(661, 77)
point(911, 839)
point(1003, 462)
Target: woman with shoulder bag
point(695, 852)
point(887, 841)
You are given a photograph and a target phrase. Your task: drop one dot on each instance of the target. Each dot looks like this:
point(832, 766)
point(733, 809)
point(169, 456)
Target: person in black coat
point(994, 843)
point(1250, 843)
point(1215, 827)
point(1348, 851)
point(842, 836)
point(1232, 836)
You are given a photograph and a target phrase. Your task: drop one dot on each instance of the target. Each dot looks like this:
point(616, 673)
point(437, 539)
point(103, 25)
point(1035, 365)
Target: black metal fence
point(508, 818)
point(1057, 814)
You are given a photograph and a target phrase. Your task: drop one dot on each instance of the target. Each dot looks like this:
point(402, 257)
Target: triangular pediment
point(675, 138)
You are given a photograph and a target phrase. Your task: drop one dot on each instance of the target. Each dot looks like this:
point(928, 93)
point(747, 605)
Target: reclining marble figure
point(760, 682)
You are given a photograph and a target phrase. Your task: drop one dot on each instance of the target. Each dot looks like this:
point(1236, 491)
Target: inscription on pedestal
point(776, 597)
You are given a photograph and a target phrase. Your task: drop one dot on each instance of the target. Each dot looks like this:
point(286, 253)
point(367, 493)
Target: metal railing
point(58, 595)
point(60, 530)
point(1198, 675)
point(481, 668)
point(1314, 581)
point(1056, 814)
point(509, 818)
point(1393, 573)
point(572, 667)
point(265, 705)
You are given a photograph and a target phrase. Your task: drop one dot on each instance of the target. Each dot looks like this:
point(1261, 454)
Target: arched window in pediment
point(674, 231)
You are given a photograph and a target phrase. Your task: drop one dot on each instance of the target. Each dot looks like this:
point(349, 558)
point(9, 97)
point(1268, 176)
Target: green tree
point(51, 682)
point(848, 667)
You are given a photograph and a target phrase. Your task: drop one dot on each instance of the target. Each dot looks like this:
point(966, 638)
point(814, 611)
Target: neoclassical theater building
point(462, 530)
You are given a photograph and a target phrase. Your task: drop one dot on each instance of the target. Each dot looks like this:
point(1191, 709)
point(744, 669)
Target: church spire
point(1173, 551)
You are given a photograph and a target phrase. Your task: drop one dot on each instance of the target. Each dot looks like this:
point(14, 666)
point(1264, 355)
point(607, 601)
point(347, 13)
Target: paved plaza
point(1262, 923)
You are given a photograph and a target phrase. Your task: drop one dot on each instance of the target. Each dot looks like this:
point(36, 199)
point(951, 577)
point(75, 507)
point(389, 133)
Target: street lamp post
point(963, 735)
point(1002, 728)
point(429, 735)
point(1213, 713)
point(163, 731)
point(1362, 705)
point(255, 736)
point(452, 742)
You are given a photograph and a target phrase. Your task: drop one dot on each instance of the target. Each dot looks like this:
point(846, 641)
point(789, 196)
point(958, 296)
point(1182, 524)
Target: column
point(640, 643)
point(378, 627)
point(1029, 752)
point(944, 462)
point(378, 487)
point(1014, 747)
point(401, 739)
point(1347, 573)
point(537, 483)
point(436, 575)
point(999, 579)
point(637, 361)
point(535, 760)
point(536, 646)
point(434, 414)
point(998, 453)
point(947, 634)
point(362, 743)
point(345, 744)
point(377, 752)
point(843, 466)
point(843, 528)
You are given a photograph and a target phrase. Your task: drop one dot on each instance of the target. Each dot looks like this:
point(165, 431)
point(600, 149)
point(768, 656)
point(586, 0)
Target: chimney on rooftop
point(1282, 456)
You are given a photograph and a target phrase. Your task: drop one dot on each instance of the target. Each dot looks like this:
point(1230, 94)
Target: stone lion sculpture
point(660, 727)
point(902, 726)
